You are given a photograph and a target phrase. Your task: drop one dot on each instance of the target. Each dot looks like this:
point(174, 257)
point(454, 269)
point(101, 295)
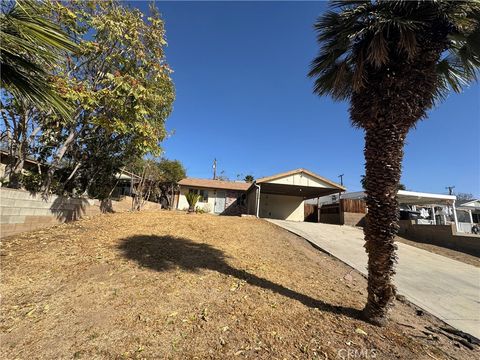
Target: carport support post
point(471, 217)
point(455, 216)
point(341, 215)
point(318, 210)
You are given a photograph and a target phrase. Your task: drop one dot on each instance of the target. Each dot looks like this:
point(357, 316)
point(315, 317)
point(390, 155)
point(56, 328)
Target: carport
point(282, 196)
point(414, 200)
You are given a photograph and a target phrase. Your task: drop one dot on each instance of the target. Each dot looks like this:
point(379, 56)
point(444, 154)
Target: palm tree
point(392, 60)
point(30, 46)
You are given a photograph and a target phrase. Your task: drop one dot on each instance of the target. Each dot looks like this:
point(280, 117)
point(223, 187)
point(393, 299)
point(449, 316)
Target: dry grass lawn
point(175, 286)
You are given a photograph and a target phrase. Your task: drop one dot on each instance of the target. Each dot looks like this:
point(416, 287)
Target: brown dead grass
point(170, 285)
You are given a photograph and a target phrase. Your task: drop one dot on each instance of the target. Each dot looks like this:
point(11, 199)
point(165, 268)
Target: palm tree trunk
point(383, 155)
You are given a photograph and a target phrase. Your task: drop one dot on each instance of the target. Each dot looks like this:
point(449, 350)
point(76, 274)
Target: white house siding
point(282, 207)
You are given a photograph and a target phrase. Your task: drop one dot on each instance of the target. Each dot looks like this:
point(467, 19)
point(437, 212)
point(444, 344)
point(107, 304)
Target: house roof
point(215, 184)
point(298, 171)
point(410, 197)
point(469, 204)
point(29, 158)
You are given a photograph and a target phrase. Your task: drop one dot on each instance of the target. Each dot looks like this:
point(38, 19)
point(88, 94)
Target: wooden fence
point(353, 206)
point(333, 213)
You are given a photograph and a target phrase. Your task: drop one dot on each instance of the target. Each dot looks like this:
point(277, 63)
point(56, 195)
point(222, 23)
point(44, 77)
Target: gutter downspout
point(257, 199)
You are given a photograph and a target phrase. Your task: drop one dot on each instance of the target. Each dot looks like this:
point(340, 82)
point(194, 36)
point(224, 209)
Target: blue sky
point(242, 96)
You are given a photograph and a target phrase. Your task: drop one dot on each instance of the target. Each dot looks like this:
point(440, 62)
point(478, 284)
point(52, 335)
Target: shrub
point(192, 200)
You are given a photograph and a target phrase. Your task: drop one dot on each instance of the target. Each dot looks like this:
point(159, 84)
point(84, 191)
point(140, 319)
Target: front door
point(219, 202)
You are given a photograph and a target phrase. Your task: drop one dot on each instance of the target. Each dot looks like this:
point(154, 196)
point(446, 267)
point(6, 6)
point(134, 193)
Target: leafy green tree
point(19, 131)
point(393, 60)
point(91, 166)
point(171, 172)
point(31, 46)
point(118, 80)
point(162, 177)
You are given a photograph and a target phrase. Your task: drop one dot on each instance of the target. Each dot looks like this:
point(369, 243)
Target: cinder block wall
point(22, 211)
point(440, 235)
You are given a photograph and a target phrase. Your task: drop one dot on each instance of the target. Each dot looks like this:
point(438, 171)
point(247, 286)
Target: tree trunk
point(172, 197)
point(56, 161)
point(15, 173)
point(383, 155)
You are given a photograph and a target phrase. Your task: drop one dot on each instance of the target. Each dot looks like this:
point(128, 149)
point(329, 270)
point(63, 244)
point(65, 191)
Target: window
point(476, 218)
point(203, 194)
point(242, 200)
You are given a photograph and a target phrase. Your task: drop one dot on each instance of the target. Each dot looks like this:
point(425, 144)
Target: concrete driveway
point(446, 288)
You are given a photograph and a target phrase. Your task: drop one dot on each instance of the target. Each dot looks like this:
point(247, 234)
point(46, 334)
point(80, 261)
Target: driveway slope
point(446, 288)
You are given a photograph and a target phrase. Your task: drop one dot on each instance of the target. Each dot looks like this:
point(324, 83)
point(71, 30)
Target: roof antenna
point(341, 179)
point(450, 189)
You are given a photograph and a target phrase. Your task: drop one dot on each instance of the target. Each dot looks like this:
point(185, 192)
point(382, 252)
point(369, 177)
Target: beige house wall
point(252, 202)
point(300, 179)
point(282, 207)
point(206, 206)
point(231, 204)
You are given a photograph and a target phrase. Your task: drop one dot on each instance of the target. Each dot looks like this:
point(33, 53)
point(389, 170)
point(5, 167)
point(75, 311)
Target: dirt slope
point(169, 285)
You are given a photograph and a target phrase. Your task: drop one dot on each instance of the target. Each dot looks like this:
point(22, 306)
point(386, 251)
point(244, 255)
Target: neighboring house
point(281, 196)
point(469, 212)
point(125, 183)
point(430, 209)
point(30, 165)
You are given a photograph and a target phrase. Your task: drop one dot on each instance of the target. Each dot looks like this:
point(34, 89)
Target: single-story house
point(216, 196)
point(280, 196)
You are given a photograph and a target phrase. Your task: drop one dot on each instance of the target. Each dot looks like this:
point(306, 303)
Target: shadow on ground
point(162, 253)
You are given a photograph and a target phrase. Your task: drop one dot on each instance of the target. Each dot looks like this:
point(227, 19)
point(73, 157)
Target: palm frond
point(358, 36)
point(30, 46)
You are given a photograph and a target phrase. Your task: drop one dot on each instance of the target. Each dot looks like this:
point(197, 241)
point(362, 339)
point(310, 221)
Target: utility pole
point(341, 179)
point(215, 169)
point(450, 189)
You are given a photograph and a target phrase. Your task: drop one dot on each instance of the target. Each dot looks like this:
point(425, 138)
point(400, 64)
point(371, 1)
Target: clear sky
point(243, 97)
